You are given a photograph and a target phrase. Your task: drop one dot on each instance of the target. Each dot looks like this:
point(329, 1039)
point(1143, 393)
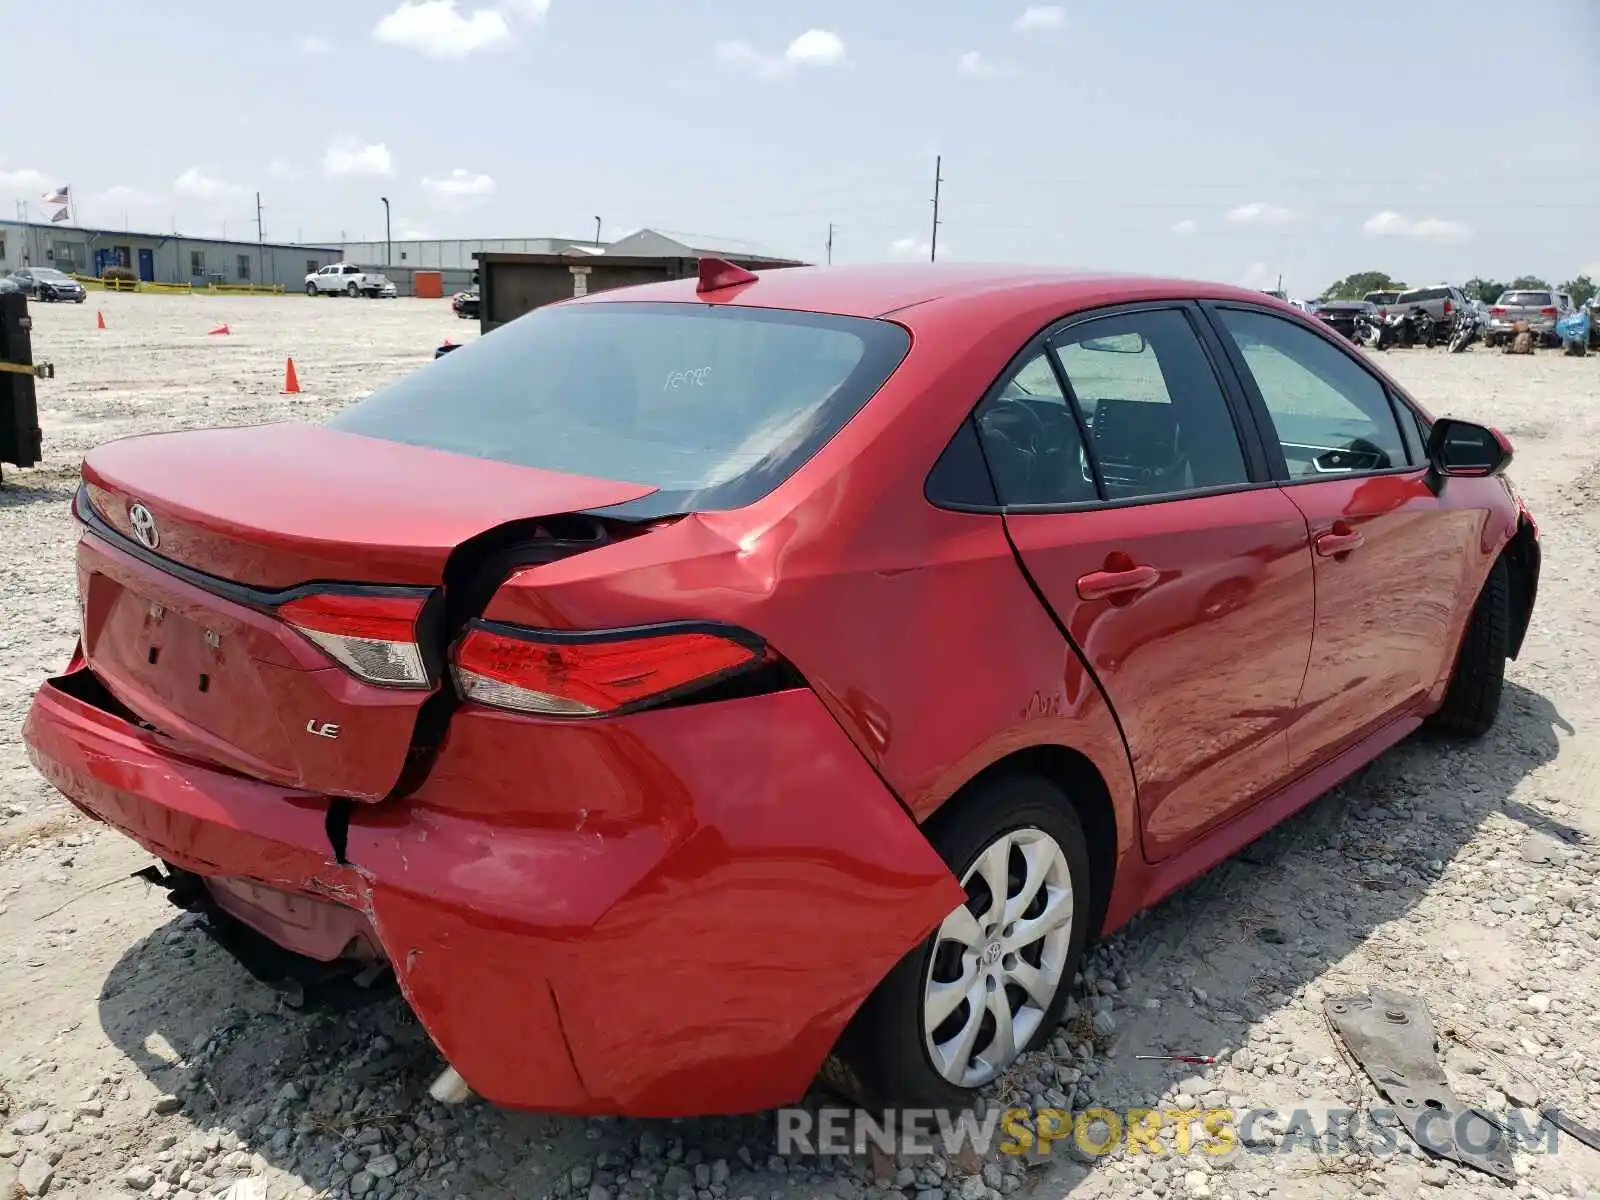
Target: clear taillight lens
point(373, 636)
point(564, 675)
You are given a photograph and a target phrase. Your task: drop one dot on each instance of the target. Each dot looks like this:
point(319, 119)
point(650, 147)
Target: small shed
point(513, 284)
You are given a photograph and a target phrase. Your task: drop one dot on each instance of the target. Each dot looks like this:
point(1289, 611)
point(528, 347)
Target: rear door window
point(1157, 418)
point(714, 406)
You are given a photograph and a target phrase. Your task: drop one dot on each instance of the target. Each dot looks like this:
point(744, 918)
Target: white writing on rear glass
point(695, 377)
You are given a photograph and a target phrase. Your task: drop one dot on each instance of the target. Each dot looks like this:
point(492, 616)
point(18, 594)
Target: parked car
point(1381, 301)
point(685, 668)
point(1440, 302)
point(349, 280)
point(1541, 308)
point(465, 304)
point(47, 283)
point(1340, 315)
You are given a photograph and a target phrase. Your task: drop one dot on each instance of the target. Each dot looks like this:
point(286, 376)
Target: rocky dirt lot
point(137, 1059)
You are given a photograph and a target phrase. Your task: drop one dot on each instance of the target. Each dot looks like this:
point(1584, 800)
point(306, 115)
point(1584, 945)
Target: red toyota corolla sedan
point(692, 687)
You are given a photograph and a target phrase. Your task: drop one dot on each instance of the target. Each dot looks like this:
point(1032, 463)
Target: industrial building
point(457, 253)
point(159, 257)
point(175, 258)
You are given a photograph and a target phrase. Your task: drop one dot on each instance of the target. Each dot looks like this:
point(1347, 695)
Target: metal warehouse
point(459, 253)
point(159, 257)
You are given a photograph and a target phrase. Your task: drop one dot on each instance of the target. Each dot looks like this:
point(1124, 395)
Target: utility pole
point(938, 177)
point(388, 243)
point(597, 231)
point(261, 249)
point(830, 243)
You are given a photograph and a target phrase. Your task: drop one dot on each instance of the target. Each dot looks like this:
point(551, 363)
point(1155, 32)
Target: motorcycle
point(1465, 330)
point(1424, 328)
point(1371, 331)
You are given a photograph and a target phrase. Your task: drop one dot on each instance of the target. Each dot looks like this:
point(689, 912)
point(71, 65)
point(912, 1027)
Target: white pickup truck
point(349, 280)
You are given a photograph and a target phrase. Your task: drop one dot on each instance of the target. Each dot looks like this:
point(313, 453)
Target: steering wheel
point(1002, 413)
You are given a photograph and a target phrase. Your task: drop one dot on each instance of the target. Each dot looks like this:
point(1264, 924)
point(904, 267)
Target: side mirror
point(1465, 448)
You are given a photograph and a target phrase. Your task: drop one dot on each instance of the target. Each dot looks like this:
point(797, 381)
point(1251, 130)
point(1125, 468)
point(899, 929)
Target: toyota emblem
point(144, 526)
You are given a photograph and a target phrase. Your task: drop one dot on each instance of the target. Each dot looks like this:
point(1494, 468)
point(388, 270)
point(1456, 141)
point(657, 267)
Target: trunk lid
point(276, 506)
point(264, 539)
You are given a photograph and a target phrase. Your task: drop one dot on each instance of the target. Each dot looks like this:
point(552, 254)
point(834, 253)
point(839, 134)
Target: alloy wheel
point(998, 959)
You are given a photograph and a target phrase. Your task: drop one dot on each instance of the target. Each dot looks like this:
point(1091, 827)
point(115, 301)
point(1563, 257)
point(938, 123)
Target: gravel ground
point(136, 1059)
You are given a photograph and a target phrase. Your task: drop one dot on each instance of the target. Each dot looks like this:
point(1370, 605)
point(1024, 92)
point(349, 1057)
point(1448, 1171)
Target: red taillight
point(1547, 312)
point(1448, 308)
point(1383, 312)
point(1496, 311)
point(560, 675)
point(372, 635)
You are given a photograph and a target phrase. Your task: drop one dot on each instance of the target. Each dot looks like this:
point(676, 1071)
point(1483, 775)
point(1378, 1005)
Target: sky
point(1234, 140)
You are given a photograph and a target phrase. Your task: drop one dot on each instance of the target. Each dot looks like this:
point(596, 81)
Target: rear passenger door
point(1391, 556)
point(1150, 527)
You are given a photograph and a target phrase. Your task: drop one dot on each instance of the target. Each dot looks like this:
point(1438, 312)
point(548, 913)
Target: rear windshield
point(714, 406)
point(1381, 297)
point(1526, 299)
point(1421, 295)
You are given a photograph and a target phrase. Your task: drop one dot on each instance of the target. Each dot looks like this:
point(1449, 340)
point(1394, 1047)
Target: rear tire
point(353, 291)
point(1472, 700)
point(886, 1056)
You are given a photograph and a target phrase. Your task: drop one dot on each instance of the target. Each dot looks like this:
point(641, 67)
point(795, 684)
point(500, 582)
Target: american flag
point(62, 195)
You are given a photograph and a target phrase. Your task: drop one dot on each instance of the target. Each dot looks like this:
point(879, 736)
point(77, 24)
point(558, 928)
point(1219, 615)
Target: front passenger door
point(1184, 582)
point(1386, 545)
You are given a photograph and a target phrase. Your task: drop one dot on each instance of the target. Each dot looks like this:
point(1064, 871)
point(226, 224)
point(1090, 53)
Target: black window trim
point(1399, 408)
point(1257, 463)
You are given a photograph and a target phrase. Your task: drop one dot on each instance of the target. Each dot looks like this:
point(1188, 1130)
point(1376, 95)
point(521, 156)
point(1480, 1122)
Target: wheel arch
point(1523, 557)
point(1083, 787)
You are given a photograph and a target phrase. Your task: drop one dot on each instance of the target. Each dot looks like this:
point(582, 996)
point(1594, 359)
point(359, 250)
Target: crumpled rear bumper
point(701, 957)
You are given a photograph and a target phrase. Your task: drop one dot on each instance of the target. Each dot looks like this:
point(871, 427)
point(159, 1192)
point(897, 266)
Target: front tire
point(991, 982)
point(1472, 700)
point(311, 289)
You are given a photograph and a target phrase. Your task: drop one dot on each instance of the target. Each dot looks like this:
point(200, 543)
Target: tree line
point(1353, 287)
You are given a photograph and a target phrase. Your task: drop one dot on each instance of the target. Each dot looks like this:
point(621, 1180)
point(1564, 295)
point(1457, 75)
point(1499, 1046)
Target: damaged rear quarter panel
point(693, 900)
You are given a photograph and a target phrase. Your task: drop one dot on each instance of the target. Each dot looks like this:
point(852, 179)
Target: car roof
point(879, 290)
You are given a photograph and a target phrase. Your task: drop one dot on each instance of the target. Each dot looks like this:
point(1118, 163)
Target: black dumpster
point(20, 442)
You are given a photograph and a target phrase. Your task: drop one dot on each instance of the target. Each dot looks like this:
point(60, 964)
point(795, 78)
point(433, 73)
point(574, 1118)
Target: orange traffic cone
point(291, 381)
point(99, 319)
point(220, 329)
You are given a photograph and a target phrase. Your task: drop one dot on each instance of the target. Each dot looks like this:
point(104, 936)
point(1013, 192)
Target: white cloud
point(458, 189)
point(282, 168)
point(1185, 226)
point(346, 158)
point(1393, 224)
point(975, 66)
point(1259, 213)
point(813, 48)
point(312, 44)
point(529, 10)
point(410, 233)
point(123, 194)
point(196, 183)
point(1045, 18)
point(909, 247)
point(816, 46)
point(1259, 276)
point(437, 29)
point(22, 179)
